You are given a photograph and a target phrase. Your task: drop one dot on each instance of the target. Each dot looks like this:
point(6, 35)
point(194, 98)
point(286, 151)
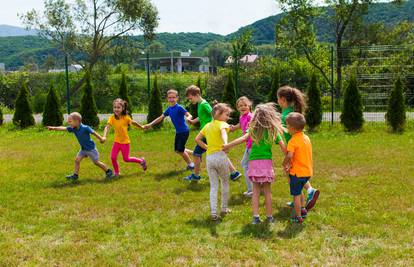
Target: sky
point(217, 16)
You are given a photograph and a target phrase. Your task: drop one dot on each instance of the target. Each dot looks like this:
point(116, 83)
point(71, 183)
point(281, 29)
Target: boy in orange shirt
point(298, 163)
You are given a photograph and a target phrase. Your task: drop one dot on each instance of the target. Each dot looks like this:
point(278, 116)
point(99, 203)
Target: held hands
point(232, 128)
point(226, 148)
point(286, 168)
point(50, 128)
point(146, 126)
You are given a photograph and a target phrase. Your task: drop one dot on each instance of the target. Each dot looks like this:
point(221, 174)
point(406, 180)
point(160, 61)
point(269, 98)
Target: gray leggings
point(245, 166)
point(218, 168)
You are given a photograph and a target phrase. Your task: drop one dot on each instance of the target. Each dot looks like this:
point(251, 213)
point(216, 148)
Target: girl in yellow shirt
point(120, 120)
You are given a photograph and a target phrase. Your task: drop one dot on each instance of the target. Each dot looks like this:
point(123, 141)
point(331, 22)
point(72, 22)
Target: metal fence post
point(67, 84)
point(332, 85)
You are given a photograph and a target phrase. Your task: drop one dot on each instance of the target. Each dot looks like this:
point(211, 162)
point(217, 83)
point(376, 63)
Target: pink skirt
point(261, 171)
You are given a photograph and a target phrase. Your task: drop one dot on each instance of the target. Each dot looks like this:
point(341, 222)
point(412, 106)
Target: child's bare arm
point(136, 124)
point(287, 160)
point(58, 128)
point(106, 130)
point(99, 137)
point(236, 142)
point(200, 142)
point(224, 136)
point(193, 121)
point(283, 147)
point(234, 127)
point(188, 116)
point(154, 122)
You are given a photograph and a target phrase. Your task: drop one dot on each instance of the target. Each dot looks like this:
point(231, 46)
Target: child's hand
point(50, 128)
point(226, 148)
point(147, 126)
point(232, 128)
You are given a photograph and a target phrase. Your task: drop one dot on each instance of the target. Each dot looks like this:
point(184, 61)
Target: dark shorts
point(297, 184)
point(198, 150)
point(180, 141)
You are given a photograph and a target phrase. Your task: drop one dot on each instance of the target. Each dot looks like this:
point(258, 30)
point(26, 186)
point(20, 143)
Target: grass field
point(365, 214)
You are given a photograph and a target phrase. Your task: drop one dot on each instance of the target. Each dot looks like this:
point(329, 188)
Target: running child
point(264, 130)
point(88, 148)
point(178, 115)
point(244, 106)
point(204, 110)
point(292, 100)
point(215, 133)
point(298, 163)
point(120, 120)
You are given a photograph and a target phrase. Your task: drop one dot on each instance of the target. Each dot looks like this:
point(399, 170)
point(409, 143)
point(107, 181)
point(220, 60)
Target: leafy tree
point(240, 46)
point(395, 115)
point(229, 97)
point(52, 114)
point(217, 52)
point(1, 116)
point(156, 47)
point(352, 111)
point(123, 93)
point(274, 85)
point(49, 62)
point(23, 114)
point(155, 104)
point(88, 108)
point(314, 110)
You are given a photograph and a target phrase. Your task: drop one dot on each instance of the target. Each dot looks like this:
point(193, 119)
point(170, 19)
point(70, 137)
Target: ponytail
point(293, 97)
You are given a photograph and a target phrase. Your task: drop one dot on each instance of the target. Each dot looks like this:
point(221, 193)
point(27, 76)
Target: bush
point(1, 116)
point(39, 102)
point(352, 114)
point(155, 104)
point(52, 114)
point(88, 108)
point(396, 108)
point(229, 97)
point(123, 93)
point(23, 115)
point(274, 86)
point(314, 110)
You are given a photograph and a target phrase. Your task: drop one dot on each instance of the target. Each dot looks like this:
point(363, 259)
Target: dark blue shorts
point(198, 150)
point(180, 141)
point(297, 184)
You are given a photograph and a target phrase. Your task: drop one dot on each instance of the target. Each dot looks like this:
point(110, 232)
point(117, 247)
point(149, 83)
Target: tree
point(274, 86)
point(217, 52)
point(52, 114)
point(240, 46)
point(23, 114)
point(49, 62)
point(314, 111)
point(156, 47)
point(395, 115)
point(352, 111)
point(229, 97)
point(88, 108)
point(123, 93)
point(155, 104)
point(92, 27)
point(1, 116)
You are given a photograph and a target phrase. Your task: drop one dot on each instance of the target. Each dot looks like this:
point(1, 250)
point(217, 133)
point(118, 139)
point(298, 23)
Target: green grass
point(365, 215)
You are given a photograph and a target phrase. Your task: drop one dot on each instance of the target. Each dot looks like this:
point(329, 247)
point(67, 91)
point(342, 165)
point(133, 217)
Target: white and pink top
point(244, 125)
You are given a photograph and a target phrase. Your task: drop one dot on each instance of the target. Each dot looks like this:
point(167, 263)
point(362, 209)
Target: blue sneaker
point(234, 176)
point(72, 177)
point(109, 174)
point(270, 220)
point(256, 220)
point(312, 198)
point(193, 177)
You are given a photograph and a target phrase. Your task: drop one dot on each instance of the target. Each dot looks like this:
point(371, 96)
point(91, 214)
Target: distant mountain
point(7, 31)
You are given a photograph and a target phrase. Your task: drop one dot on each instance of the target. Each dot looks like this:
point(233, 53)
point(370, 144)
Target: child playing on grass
point(298, 163)
point(215, 133)
point(204, 109)
point(178, 116)
point(88, 147)
point(264, 130)
point(120, 120)
point(244, 106)
point(292, 100)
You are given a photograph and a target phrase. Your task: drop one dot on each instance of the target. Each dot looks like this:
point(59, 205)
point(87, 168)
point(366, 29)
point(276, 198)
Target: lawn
point(365, 214)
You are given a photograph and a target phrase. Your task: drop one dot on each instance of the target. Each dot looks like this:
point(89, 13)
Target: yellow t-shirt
point(302, 163)
point(212, 132)
point(121, 128)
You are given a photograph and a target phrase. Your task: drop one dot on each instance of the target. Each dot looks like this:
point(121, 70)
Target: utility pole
point(67, 83)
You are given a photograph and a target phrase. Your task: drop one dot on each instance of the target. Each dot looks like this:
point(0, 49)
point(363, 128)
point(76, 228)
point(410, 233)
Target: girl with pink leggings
point(120, 121)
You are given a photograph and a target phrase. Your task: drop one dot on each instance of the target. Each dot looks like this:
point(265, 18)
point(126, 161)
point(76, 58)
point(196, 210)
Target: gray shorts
point(92, 154)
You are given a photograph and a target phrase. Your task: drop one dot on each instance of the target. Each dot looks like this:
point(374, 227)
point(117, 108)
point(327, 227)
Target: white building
point(71, 68)
point(2, 67)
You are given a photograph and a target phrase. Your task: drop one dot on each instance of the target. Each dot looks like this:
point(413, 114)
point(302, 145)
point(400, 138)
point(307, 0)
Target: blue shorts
point(92, 154)
point(297, 184)
point(180, 141)
point(198, 150)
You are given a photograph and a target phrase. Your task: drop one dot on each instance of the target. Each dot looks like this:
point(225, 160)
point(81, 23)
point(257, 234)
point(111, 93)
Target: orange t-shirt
point(121, 128)
point(302, 163)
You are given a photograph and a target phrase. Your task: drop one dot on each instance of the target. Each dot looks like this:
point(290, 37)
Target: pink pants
point(124, 148)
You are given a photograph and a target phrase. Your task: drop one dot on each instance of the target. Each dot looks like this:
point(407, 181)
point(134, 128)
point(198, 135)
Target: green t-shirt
point(263, 150)
point(285, 113)
point(204, 113)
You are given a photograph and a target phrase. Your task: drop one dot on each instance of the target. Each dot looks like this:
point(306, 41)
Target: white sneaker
point(248, 194)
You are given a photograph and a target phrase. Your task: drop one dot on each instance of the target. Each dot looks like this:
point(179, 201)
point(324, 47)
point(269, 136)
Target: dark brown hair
point(293, 97)
point(124, 105)
point(296, 120)
point(192, 90)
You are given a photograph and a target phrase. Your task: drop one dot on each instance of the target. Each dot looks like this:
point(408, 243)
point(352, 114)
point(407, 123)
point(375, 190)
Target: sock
point(191, 164)
point(310, 189)
point(256, 216)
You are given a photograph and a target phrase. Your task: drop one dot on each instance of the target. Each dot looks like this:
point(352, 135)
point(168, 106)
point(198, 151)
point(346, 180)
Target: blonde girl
point(264, 130)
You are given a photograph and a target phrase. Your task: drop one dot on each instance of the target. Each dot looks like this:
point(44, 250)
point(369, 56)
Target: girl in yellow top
point(215, 133)
point(120, 120)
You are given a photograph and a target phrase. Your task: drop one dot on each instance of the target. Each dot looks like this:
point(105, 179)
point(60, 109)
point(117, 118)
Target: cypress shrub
point(274, 86)
point(123, 93)
point(88, 108)
point(23, 115)
point(395, 115)
point(1, 116)
point(155, 104)
point(52, 114)
point(352, 111)
point(314, 111)
point(229, 97)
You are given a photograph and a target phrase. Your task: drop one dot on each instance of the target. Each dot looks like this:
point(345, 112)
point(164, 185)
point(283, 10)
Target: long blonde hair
point(265, 121)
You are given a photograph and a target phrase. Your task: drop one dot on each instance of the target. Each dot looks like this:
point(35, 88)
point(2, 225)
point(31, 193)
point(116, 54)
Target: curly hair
point(266, 123)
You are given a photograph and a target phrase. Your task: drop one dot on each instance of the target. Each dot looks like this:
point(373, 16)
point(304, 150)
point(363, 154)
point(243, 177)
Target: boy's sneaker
point(270, 219)
point(297, 219)
point(248, 194)
point(256, 220)
point(224, 212)
point(72, 177)
point(312, 198)
point(109, 174)
point(234, 176)
point(290, 204)
point(144, 164)
point(304, 213)
point(214, 217)
point(193, 177)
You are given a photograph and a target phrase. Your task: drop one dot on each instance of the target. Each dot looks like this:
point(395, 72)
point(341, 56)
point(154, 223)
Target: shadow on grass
point(168, 175)
point(85, 181)
point(237, 200)
point(292, 229)
point(192, 186)
point(261, 231)
point(206, 223)
point(283, 214)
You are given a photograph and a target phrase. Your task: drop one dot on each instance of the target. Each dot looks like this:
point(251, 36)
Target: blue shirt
point(177, 115)
point(83, 134)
